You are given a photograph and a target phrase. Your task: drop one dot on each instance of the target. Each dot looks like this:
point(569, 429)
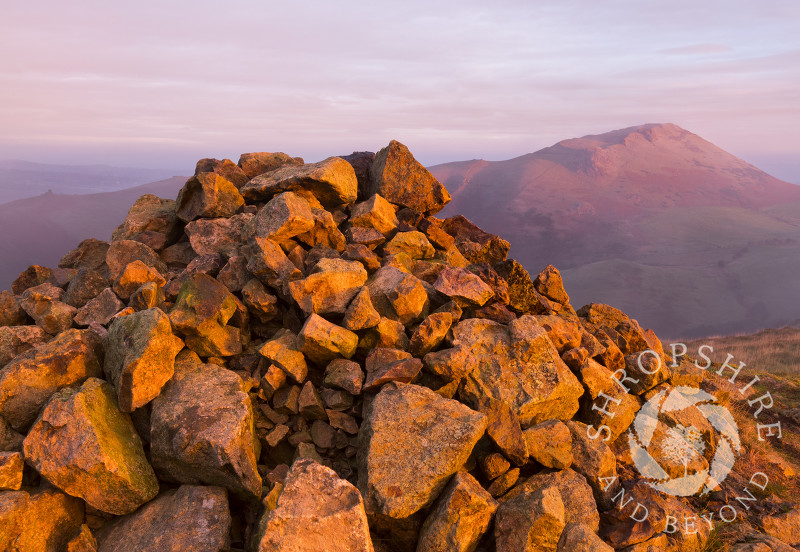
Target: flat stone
point(459, 518)
point(330, 287)
point(402, 180)
point(208, 195)
point(202, 430)
point(140, 356)
point(283, 351)
point(316, 512)
point(434, 447)
point(187, 519)
point(463, 287)
point(85, 446)
point(58, 517)
point(332, 181)
point(322, 341)
point(28, 381)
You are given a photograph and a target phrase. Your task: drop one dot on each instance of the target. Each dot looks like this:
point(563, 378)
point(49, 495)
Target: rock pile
point(302, 357)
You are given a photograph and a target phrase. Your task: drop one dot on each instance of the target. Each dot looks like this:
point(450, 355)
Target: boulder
point(28, 381)
point(84, 541)
point(463, 287)
point(267, 262)
point(550, 444)
point(504, 429)
point(187, 519)
point(140, 356)
point(433, 435)
point(459, 518)
point(493, 465)
point(85, 446)
point(11, 314)
point(375, 213)
point(218, 236)
point(57, 518)
point(344, 374)
point(134, 276)
point(322, 341)
point(430, 333)
point(402, 180)
point(474, 244)
point(332, 182)
point(360, 313)
point(149, 213)
point(261, 304)
point(90, 253)
point(516, 364)
point(550, 284)
point(412, 243)
point(202, 430)
point(121, 253)
point(579, 505)
point(225, 168)
point(522, 295)
point(32, 276)
point(254, 164)
point(84, 286)
point(594, 460)
point(15, 340)
point(283, 351)
point(43, 304)
point(330, 286)
point(385, 365)
point(565, 333)
point(315, 512)
point(398, 295)
point(11, 466)
point(208, 195)
point(530, 521)
point(576, 537)
point(283, 217)
point(101, 309)
point(621, 409)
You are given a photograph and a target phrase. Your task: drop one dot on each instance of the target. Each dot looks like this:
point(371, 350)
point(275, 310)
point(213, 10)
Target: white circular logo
point(682, 443)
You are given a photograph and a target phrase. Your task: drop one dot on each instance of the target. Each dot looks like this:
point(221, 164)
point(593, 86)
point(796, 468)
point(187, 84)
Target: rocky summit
point(301, 357)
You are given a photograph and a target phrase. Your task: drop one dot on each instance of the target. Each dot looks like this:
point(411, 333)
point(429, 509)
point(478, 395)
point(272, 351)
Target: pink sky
point(160, 84)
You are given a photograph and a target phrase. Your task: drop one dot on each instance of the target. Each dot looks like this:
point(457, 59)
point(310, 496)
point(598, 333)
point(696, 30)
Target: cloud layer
point(163, 83)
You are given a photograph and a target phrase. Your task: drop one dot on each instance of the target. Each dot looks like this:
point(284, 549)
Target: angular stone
point(284, 216)
point(476, 245)
point(434, 447)
point(208, 195)
point(321, 341)
point(11, 465)
point(565, 333)
point(344, 374)
point(309, 404)
point(85, 446)
point(516, 364)
point(550, 284)
point(530, 521)
point(202, 309)
point(368, 237)
point(576, 537)
point(267, 262)
point(101, 309)
point(148, 296)
point(133, 276)
point(57, 517)
point(260, 303)
point(11, 314)
point(385, 365)
point(234, 275)
point(28, 381)
point(84, 541)
point(10, 440)
point(316, 512)
point(550, 444)
point(32, 276)
point(340, 420)
point(463, 287)
point(504, 483)
point(504, 429)
point(398, 295)
point(188, 519)
point(85, 286)
point(90, 253)
point(430, 333)
point(218, 236)
point(254, 164)
point(283, 351)
point(784, 526)
point(225, 168)
point(121, 253)
point(493, 465)
point(324, 232)
point(360, 314)
point(46, 309)
point(459, 518)
point(361, 161)
point(140, 356)
point(375, 213)
point(15, 340)
point(332, 181)
point(149, 213)
point(202, 430)
point(579, 506)
point(594, 460)
point(412, 243)
point(402, 180)
point(330, 287)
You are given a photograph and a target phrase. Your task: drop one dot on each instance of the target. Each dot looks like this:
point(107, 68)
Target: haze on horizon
point(153, 84)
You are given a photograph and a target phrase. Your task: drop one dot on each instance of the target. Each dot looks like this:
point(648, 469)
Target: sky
point(160, 84)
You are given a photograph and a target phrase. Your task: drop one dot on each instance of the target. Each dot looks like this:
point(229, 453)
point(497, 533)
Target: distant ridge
point(653, 218)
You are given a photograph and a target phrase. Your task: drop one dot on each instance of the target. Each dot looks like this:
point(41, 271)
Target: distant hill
point(41, 230)
point(653, 219)
point(21, 179)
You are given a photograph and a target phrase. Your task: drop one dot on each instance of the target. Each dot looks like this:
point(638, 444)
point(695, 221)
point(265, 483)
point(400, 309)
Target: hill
point(776, 351)
point(39, 230)
point(653, 219)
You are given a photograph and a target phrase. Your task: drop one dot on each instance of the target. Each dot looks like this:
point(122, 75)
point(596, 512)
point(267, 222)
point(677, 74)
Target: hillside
point(776, 351)
point(653, 219)
point(38, 230)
